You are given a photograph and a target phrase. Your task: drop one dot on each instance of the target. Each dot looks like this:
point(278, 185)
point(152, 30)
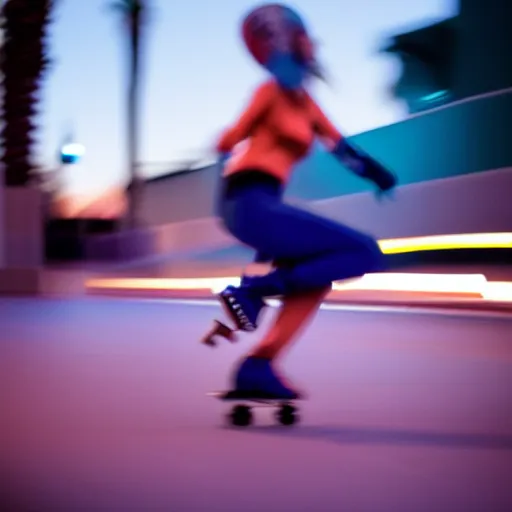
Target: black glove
point(377, 173)
point(364, 165)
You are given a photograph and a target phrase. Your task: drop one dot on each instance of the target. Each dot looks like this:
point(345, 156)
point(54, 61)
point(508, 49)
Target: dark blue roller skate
point(257, 378)
point(243, 306)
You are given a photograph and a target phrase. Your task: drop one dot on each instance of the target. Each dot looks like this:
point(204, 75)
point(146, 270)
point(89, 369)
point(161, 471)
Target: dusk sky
point(198, 76)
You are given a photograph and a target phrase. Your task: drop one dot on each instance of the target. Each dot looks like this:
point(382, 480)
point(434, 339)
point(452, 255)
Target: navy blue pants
point(316, 251)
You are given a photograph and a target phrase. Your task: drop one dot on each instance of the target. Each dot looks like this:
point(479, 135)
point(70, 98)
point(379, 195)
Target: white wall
point(22, 227)
point(466, 204)
point(474, 203)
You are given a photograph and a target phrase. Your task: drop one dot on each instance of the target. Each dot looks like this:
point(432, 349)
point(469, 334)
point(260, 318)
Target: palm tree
point(23, 62)
point(133, 13)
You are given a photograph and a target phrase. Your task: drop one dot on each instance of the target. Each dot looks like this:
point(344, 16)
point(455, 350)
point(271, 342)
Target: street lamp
point(71, 153)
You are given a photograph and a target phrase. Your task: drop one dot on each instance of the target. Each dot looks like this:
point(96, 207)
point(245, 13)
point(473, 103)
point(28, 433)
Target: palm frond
point(24, 61)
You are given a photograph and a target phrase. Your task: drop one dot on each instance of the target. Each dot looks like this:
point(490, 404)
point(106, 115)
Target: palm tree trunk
point(133, 123)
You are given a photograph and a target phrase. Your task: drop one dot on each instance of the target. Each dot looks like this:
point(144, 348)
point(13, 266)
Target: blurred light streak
point(447, 242)
point(466, 285)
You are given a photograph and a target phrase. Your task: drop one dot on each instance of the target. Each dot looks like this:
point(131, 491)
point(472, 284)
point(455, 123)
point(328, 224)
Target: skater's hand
point(386, 185)
point(385, 195)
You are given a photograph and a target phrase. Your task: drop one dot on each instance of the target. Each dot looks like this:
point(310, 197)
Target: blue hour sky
point(198, 76)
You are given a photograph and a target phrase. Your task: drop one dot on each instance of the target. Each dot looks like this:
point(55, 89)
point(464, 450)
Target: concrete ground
point(103, 408)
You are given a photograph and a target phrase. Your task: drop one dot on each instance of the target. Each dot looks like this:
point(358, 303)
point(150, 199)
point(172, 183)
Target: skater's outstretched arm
point(351, 157)
point(254, 112)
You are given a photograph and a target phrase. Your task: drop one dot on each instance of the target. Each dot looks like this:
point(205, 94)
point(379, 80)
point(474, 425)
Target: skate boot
point(243, 306)
point(255, 377)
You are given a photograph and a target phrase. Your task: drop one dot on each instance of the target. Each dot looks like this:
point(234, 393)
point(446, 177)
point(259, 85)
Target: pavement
point(104, 408)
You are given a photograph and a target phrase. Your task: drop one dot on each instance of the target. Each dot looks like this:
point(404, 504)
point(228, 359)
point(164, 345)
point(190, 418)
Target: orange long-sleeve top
point(278, 129)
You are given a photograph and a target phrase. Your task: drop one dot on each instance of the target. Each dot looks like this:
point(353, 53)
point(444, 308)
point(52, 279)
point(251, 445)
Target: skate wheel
point(224, 331)
point(287, 415)
point(241, 416)
point(209, 341)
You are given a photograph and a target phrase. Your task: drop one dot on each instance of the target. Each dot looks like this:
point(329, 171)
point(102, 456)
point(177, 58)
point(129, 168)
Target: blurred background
point(109, 113)
point(197, 77)
point(127, 99)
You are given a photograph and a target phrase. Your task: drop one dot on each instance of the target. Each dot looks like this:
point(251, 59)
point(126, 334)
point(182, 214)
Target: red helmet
point(276, 27)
